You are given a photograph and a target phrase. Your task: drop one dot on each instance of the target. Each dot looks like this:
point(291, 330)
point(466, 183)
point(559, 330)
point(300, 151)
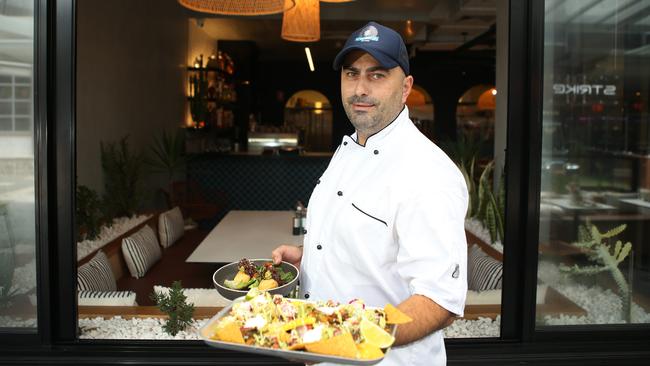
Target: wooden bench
point(171, 267)
point(554, 302)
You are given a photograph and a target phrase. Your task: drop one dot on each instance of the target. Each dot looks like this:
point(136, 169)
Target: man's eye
point(350, 73)
point(377, 76)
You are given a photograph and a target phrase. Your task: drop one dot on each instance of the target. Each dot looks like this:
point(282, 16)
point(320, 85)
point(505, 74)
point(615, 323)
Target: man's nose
point(361, 87)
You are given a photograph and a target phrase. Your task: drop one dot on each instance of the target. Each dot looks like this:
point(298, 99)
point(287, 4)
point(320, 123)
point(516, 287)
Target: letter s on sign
point(610, 90)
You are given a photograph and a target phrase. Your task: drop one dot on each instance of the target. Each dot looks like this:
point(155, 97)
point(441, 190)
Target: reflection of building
point(16, 116)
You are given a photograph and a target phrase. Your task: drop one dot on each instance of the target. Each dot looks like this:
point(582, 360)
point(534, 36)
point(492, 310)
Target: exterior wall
point(130, 77)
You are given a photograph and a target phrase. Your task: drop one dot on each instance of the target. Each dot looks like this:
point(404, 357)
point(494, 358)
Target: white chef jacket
point(386, 221)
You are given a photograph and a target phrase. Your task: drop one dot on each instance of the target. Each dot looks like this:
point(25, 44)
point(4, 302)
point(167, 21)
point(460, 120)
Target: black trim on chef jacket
point(369, 215)
point(367, 138)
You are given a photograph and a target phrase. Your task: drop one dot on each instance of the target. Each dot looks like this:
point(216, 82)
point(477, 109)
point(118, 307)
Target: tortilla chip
point(342, 345)
point(368, 351)
point(284, 336)
point(208, 332)
point(297, 346)
point(229, 333)
point(395, 316)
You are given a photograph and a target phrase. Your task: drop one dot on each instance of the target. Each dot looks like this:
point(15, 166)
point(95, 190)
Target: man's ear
point(407, 85)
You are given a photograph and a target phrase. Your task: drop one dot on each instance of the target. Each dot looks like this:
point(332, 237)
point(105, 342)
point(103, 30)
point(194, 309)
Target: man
point(386, 219)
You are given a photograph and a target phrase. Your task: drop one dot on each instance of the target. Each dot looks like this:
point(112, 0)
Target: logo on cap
point(368, 34)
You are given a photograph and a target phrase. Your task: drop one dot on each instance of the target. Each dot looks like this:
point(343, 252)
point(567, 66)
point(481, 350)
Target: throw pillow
point(106, 298)
point(96, 274)
point(171, 227)
point(141, 251)
point(484, 272)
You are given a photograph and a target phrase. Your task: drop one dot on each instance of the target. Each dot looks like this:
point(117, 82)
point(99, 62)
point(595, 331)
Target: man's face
point(372, 95)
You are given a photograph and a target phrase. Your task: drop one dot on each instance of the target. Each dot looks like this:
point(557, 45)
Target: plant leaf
point(615, 231)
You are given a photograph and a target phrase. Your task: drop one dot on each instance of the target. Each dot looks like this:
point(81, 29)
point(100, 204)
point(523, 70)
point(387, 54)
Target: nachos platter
point(307, 331)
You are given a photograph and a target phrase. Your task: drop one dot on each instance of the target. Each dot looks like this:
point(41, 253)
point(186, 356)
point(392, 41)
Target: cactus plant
point(596, 245)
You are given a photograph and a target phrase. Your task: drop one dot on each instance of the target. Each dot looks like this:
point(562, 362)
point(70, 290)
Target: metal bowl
point(229, 271)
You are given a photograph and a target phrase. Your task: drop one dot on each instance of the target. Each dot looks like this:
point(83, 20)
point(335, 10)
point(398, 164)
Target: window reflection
point(17, 204)
point(595, 201)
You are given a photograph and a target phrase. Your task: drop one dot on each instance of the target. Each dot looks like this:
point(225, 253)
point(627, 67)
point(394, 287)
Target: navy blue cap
point(382, 43)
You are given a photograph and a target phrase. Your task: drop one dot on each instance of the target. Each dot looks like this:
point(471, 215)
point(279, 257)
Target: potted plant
point(122, 169)
point(167, 155)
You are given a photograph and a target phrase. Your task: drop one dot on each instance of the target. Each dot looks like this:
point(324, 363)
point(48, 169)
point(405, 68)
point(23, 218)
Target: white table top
point(246, 234)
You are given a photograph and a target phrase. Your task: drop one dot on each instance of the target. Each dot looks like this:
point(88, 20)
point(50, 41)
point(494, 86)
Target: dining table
point(246, 234)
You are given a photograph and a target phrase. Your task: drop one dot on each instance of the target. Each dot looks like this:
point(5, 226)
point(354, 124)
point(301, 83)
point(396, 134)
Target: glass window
point(241, 96)
point(5, 124)
point(594, 236)
point(17, 195)
point(5, 92)
point(5, 108)
point(23, 108)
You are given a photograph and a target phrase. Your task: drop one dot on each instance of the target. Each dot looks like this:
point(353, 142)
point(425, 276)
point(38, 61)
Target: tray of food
point(307, 331)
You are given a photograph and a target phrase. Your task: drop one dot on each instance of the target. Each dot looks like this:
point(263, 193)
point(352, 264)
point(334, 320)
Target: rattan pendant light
point(302, 22)
point(238, 7)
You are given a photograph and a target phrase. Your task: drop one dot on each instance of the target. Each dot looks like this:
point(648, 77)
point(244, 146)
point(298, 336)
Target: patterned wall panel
point(258, 182)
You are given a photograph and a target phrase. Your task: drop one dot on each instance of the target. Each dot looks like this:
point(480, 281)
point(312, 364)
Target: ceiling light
point(230, 7)
point(302, 22)
point(309, 60)
point(408, 29)
point(494, 91)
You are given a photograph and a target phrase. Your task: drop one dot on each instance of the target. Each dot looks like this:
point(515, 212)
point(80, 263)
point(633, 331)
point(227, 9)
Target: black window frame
point(54, 128)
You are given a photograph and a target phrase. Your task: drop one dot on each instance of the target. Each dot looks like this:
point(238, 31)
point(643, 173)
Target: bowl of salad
point(236, 279)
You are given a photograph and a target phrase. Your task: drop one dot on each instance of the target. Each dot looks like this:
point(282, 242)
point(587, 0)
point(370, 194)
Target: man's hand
point(287, 253)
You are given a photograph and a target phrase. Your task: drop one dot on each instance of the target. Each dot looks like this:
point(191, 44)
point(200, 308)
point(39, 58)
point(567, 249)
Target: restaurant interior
point(258, 113)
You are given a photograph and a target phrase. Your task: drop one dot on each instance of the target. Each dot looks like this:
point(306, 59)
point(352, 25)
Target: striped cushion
point(484, 272)
point(106, 298)
point(96, 274)
point(170, 227)
point(141, 251)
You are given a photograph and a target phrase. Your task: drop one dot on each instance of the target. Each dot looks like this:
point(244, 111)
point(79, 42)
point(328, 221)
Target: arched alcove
point(310, 112)
point(475, 113)
point(421, 110)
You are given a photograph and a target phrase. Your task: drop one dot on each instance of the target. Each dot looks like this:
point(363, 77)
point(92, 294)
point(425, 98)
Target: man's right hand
point(287, 253)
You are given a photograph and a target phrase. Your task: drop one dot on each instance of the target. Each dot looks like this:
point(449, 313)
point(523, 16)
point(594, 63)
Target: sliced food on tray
point(325, 327)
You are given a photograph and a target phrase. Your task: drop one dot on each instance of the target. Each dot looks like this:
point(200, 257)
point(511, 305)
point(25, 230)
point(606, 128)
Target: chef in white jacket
point(385, 221)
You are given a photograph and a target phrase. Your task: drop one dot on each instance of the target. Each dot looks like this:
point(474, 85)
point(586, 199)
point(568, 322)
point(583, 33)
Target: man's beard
point(363, 121)
point(368, 122)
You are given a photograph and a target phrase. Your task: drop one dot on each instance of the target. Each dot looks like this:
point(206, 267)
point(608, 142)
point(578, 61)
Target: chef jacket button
point(345, 142)
point(318, 181)
point(306, 296)
point(376, 152)
point(319, 247)
point(339, 193)
point(304, 231)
